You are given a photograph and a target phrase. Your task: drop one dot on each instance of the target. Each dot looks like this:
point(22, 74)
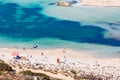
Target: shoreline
point(59, 51)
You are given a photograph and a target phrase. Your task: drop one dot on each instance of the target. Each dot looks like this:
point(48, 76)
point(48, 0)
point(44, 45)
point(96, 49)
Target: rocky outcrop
point(63, 4)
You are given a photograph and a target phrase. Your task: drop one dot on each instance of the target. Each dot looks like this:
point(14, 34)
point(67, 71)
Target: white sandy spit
point(115, 3)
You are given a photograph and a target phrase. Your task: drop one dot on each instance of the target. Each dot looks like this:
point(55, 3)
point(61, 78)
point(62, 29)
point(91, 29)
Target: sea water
point(27, 22)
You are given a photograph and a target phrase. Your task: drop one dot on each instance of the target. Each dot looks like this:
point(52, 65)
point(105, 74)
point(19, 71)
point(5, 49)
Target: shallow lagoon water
point(95, 29)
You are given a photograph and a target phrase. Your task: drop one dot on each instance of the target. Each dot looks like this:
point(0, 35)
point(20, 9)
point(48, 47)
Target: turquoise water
point(23, 24)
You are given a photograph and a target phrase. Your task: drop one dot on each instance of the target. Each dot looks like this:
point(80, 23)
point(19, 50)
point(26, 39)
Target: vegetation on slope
point(4, 66)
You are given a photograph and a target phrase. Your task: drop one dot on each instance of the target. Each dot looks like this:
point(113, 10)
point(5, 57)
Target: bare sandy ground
point(81, 60)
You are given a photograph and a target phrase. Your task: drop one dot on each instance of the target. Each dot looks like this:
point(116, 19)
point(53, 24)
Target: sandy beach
point(107, 3)
point(79, 61)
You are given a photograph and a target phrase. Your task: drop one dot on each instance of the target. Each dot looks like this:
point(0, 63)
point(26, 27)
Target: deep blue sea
point(22, 26)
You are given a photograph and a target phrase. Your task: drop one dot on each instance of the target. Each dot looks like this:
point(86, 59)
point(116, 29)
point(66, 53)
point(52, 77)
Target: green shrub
point(86, 77)
point(28, 79)
point(0, 73)
point(1, 61)
point(73, 71)
point(28, 72)
point(5, 67)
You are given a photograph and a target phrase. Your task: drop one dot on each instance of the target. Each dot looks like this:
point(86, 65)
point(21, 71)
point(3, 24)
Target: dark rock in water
point(73, 2)
point(52, 4)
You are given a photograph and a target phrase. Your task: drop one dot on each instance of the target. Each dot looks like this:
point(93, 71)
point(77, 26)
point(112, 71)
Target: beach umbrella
point(15, 54)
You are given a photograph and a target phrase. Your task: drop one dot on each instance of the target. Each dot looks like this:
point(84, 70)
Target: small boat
point(35, 46)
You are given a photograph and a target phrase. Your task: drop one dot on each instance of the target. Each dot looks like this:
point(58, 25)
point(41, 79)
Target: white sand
point(75, 60)
point(111, 3)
